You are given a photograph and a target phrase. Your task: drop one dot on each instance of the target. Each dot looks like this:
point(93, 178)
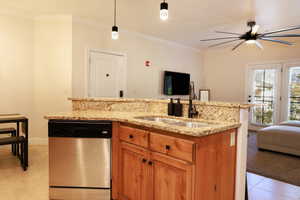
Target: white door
point(291, 92)
point(263, 89)
point(107, 74)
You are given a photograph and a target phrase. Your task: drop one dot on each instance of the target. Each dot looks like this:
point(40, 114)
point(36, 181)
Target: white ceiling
point(190, 20)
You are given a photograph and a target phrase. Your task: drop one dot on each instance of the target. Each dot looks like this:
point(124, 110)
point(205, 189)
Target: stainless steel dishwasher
point(80, 160)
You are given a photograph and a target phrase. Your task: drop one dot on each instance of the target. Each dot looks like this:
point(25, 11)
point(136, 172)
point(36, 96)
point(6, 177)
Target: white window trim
point(285, 65)
point(285, 84)
point(277, 103)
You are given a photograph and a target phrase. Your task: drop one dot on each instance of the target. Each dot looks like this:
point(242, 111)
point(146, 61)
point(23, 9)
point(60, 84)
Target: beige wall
point(225, 70)
point(141, 81)
point(16, 65)
point(41, 57)
point(52, 69)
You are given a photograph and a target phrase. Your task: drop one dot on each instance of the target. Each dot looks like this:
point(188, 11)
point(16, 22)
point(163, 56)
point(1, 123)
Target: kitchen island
point(155, 158)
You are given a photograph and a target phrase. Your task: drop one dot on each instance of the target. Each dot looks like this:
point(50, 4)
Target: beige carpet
point(273, 165)
point(15, 184)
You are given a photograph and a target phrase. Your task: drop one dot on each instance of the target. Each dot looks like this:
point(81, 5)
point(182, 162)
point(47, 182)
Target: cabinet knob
point(150, 163)
point(130, 136)
point(168, 147)
point(144, 160)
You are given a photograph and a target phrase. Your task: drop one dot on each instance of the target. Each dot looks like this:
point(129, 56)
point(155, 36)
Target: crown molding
point(93, 23)
point(96, 24)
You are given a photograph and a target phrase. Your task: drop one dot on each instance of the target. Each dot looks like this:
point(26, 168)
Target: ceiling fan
point(252, 36)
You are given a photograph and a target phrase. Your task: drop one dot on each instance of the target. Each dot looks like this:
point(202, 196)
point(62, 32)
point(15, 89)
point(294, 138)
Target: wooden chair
point(13, 133)
point(16, 140)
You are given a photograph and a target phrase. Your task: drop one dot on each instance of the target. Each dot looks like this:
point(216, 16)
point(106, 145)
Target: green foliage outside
point(294, 101)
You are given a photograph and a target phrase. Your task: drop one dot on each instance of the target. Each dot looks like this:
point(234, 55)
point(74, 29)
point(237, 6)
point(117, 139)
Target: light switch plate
point(232, 139)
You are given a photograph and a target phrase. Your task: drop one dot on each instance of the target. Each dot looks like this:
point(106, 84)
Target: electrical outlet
point(232, 139)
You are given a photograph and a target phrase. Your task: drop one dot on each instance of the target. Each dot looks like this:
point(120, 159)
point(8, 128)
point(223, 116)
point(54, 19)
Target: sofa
point(283, 138)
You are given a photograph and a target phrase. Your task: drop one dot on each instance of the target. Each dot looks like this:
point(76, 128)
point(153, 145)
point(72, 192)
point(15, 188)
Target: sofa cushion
point(284, 139)
point(291, 123)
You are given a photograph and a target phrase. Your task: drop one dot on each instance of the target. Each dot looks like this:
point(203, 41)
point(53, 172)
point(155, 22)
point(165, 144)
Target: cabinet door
point(133, 172)
point(172, 178)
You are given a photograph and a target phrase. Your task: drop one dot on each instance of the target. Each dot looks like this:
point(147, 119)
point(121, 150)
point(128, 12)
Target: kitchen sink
point(176, 122)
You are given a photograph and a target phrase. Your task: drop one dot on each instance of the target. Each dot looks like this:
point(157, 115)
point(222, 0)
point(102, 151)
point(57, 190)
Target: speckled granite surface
point(219, 111)
point(136, 100)
point(214, 126)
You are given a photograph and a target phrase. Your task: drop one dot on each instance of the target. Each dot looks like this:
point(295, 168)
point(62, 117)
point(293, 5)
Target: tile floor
point(262, 188)
point(15, 184)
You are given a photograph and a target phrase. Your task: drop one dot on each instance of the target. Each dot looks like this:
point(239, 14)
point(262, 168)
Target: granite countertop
point(205, 103)
point(130, 117)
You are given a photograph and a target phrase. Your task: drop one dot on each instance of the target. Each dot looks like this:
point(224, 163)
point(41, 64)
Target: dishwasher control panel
point(80, 129)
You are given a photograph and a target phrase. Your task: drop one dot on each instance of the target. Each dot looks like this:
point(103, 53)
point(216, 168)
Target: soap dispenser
point(178, 108)
point(171, 107)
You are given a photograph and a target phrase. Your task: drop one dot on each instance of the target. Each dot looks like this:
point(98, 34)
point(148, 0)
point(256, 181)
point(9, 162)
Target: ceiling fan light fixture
point(255, 29)
point(251, 41)
point(164, 12)
point(253, 37)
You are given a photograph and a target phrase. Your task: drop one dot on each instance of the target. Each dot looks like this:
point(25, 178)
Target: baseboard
point(38, 141)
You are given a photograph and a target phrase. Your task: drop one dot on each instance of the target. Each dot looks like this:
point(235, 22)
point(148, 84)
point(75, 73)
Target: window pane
point(264, 96)
point(294, 93)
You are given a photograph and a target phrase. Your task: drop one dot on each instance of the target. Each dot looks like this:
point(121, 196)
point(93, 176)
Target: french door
point(263, 89)
point(291, 103)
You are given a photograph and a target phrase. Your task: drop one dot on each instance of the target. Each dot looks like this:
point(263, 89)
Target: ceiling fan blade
point(225, 38)
point(277, 41)
point(230, 33)
point(254, 29)
point(258, 44)
point(239, 44)
point(281, 30)
point(214, 45)
point(287, 35)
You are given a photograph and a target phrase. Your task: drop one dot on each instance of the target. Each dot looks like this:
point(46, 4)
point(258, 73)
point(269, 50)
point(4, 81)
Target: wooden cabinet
point(151, 176)
point(172, 146)
point(160, 166)
point(133, 173)
point(134, 136)
point(172, 178)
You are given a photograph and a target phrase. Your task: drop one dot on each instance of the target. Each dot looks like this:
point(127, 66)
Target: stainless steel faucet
point(192, 111)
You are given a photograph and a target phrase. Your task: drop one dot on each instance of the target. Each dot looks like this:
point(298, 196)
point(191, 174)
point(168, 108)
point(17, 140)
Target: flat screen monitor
point(176, 83)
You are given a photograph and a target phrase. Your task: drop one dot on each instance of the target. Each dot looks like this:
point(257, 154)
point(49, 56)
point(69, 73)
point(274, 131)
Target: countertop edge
point(204, 132)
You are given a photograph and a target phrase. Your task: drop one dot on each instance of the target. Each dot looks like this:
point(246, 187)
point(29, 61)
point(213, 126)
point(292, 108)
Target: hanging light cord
point(115, 12)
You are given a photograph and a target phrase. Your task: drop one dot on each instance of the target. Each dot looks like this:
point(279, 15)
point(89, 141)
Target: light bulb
point(115, 33)
point(255, 29)
point(164, 13)
point(250, 41)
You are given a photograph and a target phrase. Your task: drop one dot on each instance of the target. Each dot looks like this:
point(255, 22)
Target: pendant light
point(115, 29)
point(164, 13)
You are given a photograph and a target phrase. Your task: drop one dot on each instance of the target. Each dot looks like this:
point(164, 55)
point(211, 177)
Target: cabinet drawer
point(134, 136)
point(172, 146)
